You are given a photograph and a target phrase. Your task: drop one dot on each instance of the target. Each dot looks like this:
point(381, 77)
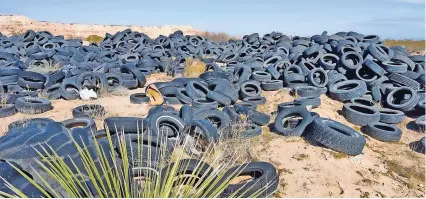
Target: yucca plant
point(140, 166)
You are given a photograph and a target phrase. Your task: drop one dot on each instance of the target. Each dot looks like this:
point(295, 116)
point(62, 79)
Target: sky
point(397, 19)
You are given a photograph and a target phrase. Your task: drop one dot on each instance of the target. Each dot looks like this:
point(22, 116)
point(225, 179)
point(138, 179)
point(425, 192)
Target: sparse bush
point(218, 37)
point(194, 67)
point(410, 45)
point(94, 39)
point(45, 68)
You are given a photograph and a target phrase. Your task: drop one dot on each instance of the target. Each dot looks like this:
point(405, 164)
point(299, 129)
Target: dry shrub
point(218, 37)
point(194, 67)
point(94, 39)
point(410, 45)
point(45, 68)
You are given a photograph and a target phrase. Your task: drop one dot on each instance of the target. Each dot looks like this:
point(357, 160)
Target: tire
point(182, 95)
point(351, 60)
point(219, 98)
point(287, 105)
point(396, 99)
point(82, 122)
point(210, 76)
point(337, 136)
point(31, 80)
point(204, 103)
point(403, 80)
point(328, 61)
point(383, 132)
point(125, 124)
point(89, 111)
point(7, 110)
point(379, 52)
point(320, 81)
point(250, 88)
point(53, 92)
point(139, 98)
point(245, 107)
point(360, 114)
point(224, 88)
point(288, 113)
point(263, 175)
point(307, 91)
point(356, 88)
point(273, 71)
point(139, 76)
point(32, 105)
point(261, 76)
point(216, 117)
point(231, 113)
point(69, 91)
point(130, 84)
point(252, 130)
point(168, 121)
point(394, 67)
point(335, 77)
point(258, 118)
point(186, 167)
point(421, 123)
point(195, 90)
point(373, 66)
point(363, 101)
point(113, 81)
point(255, 100)
point(272, 85)
point(186, 113)
point(208, 130)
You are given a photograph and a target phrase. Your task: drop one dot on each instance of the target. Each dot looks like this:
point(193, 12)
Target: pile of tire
point(160, 132)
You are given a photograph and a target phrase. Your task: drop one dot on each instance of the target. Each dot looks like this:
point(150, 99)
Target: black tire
point(232, 114)
point(255, 100)
point(261, 76)
point(130, 84)
point(272, 85)
point(258, 118)
point(351, 60)
point(379, 52)
point(113, 81)
point(186, 168)
point(274, 72)
point(224, 88)
point(360, 114)
point(263, 175)
point(286, 105)
point(216, 117)
point(204, 103)
point(335, 77)
point(363, 101)
point(396, 99)
point(288, 113)
point(403, 80)
point(210, 76)
point(88, 110)
point(421, 123)
point(139, 76)
point(125, 124)
point(166, 121)
point(81, 122)
point(337, 136)
point(31, 80)
point(69, 91)
point(307, 91)
point(252, 130)
point(196, 89)
point(32, 105)
point(53, 92)
point(186, 113)
point(7, 110)
point(250, 88)
point(329, 61)
point(390, 116)
point(218, 97)
point(321, 80)
point(373, 66)
point(383, 132)
point(139, 98)
point(347, 90)
point(395, 67)
point(208, 130)
point(245, 107)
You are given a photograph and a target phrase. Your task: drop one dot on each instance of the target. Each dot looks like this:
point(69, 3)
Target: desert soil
point(382, 170)
point(17, 24)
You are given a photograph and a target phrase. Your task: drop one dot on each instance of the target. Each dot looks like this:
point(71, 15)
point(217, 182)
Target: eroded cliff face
point(15, 24)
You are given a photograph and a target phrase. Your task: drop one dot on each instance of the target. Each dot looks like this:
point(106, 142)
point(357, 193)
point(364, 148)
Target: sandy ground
point(383, 170)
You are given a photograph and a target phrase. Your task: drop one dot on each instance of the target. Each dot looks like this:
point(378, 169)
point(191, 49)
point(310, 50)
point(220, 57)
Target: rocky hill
point(16, 24)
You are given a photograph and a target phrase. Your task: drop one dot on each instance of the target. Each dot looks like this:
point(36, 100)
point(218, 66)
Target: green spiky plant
point(125, 180)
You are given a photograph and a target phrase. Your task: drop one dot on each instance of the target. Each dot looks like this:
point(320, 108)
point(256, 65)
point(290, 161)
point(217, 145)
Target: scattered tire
point(383, 132)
